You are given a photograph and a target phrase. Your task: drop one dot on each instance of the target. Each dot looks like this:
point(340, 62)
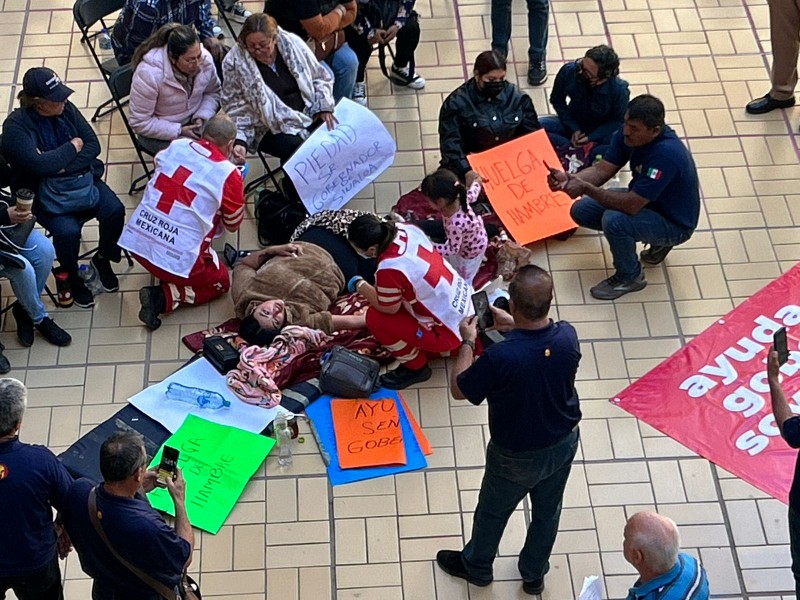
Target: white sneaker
point(218, 33)
point(401, 76)
point(238, 13)
point(360, 93)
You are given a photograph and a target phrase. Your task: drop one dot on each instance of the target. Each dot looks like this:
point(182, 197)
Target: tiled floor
point(292, 537)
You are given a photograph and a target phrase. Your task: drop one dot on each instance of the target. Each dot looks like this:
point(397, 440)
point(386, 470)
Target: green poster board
point(217, 461)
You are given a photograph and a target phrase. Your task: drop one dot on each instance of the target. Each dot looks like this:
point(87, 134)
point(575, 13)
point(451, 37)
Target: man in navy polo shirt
point(652, 545)
point(528, 380)
point(32, 482)
point(661, 206)
point(134, 529)
point(789, 425)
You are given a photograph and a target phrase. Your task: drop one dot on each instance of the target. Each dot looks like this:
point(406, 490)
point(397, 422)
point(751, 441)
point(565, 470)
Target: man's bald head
point(219, 130)
point(531, 291)
point(651, 542)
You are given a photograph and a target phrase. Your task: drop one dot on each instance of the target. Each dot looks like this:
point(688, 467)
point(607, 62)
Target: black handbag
point(347, 374)
point(219, 352)
point(277, 217)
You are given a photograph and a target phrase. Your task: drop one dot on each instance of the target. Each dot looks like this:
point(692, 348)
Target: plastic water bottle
point(196, 396)
point(283, 437)
point(104, 40)
point(88, 275)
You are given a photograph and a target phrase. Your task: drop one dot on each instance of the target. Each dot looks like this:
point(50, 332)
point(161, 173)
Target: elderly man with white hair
point(32, 483)
point(652, 546)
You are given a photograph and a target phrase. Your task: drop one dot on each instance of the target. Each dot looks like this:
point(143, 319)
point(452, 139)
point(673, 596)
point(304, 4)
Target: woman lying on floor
point(295, 283)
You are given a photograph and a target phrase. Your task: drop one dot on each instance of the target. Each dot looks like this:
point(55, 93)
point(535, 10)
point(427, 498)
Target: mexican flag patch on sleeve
point(653, 173)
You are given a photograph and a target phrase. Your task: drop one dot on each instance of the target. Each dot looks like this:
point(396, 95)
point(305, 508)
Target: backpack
point(277, 217)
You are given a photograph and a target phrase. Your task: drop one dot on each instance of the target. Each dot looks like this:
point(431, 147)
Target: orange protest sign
point(423, 442)
point(515, 179)
point(368, 433)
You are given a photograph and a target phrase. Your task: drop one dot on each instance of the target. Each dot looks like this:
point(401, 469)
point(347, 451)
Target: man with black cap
point(53, 150)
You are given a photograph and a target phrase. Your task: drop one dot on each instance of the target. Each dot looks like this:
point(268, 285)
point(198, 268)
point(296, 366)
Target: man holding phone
point(528, 381)
point(789, 425)
point(134, 530)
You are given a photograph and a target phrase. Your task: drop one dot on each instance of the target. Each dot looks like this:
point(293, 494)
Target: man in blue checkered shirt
point(138, 19)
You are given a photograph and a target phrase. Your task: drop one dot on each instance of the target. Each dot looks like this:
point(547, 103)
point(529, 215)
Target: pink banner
point(712, 395)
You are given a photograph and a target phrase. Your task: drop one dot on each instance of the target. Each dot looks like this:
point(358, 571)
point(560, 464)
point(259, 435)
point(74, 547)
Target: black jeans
point(280, 145)
point(44, 584)
point(342, 252)
point(66, 229)
point(103, 591)
point(794, 541)
point(405, 45)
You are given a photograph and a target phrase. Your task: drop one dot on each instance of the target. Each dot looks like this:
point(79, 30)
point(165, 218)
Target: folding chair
point(268, 174)
point(120, 85)
point(87, 13)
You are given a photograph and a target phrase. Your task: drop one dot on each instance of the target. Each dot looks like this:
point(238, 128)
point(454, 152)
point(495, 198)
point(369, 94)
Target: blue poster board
point(321, 417)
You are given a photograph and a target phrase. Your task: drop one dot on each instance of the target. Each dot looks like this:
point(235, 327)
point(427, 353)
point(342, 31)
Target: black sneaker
point(24, 324)
point(450, 562)
point(614, 287)
point(533, 587)
point(53, 333)
point(106, 275)
point(153, 304)
point(537, 72)
point(402, 377)
point(80, 293)
point(655, 255)
point(403, 76)
point(5, 366)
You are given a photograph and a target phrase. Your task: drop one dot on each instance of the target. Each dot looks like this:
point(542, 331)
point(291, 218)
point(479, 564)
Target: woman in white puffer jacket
point(175, 87)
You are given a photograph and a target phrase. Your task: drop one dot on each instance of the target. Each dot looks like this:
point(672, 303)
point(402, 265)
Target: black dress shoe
point(402, 377)
point(533, 587)
point(153, 304)
point(450, 562)
point(765, 104)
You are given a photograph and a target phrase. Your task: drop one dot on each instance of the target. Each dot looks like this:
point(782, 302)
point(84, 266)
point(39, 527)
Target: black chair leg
point(52, 295)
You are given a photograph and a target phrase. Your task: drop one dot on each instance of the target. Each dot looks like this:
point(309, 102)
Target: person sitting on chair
point(380, 22)
point(53, 150)
point(590, 101)
point(194, 193)
point(322, 23)
point(175, 88)
point(274, 90)
point(139, 19)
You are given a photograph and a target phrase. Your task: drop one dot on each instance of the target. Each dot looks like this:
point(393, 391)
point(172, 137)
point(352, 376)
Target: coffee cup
point(24, 201)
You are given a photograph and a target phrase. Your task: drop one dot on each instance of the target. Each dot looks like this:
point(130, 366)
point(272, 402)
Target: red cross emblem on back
point(436, 269)
point(173, 190)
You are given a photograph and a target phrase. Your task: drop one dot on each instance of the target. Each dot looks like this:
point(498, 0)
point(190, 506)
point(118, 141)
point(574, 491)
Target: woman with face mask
point(590, 101)
point(175, 88)
point(483, 113)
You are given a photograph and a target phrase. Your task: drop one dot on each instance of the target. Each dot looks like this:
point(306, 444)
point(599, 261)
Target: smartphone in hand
point(480, 301)
point(781, 345)
point(168, 467)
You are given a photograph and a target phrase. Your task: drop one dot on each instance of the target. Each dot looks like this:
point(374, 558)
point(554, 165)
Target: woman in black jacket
point(483, 113)
point(47, 138)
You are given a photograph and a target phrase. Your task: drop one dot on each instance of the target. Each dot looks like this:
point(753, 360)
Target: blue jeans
point(343, 65)
point(623, 231)
point(537, 27)
point(29, 282)
point(561, 136)
point(509, 477)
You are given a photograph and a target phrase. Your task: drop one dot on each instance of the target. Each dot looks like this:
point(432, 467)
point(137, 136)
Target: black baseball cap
point(41, 82)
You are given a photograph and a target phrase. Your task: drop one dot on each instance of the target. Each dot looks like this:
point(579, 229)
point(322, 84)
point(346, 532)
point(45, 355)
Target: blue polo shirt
point(138, 533)
point(32, 480)
point(528, 381)
point(685, 581)
point(663, 173)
